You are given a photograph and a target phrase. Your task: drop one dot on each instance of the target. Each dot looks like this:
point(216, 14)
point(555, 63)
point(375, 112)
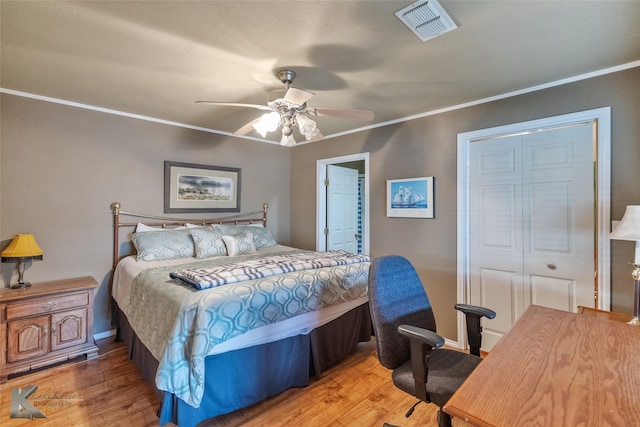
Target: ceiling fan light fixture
point(287, 140)
point(427, 19)
point(267, 123)
point(288, 110)
point(307, 127)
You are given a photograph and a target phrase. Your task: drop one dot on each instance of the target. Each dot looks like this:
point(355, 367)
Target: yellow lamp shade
point(22, 246)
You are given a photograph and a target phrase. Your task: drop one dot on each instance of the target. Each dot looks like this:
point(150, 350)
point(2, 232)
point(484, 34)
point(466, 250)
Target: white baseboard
point(105, 334)
point(453, 344)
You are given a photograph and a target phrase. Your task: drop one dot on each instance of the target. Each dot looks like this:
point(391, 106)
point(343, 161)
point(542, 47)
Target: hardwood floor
point(109, 391)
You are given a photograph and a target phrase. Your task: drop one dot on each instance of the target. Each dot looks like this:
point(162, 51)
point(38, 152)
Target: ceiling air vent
point(427, 19)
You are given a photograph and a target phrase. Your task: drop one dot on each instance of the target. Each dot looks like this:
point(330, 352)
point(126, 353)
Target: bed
point(218, 316)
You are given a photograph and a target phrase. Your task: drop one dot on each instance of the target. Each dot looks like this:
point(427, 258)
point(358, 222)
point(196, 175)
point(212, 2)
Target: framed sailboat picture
point(410, 198)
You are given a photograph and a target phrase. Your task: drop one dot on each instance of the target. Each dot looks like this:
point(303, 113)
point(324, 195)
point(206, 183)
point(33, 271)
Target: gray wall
point(62, 167)
point(428, 147)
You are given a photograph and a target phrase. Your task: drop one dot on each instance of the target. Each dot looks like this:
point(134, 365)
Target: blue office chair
point(406, 338)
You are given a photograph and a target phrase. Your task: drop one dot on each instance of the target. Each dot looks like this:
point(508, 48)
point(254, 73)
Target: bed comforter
point(181, 326)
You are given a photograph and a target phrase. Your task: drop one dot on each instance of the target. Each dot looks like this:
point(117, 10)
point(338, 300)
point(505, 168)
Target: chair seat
point(448, 369)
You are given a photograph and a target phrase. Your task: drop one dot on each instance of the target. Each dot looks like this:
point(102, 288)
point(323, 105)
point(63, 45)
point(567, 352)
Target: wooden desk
point(604, 315)
point(555, 368)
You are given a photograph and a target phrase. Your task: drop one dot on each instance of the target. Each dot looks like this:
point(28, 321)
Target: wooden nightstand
point(47, 323)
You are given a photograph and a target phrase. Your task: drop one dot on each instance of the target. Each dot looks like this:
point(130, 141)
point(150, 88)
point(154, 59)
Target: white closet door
point(559, 188)
point(531, 228)
point(495, 233)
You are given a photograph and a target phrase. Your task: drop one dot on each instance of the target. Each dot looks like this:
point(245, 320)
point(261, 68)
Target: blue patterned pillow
point(239, 244)
point(160, 245)
point(208, 242)
point(262, 237)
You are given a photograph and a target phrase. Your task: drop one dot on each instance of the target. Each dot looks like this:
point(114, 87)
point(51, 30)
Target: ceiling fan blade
point(298, 96)
point(247, 128)
point(344, 113)
point(235, 104)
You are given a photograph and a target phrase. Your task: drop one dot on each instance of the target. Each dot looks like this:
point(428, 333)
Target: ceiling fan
point(288, 109)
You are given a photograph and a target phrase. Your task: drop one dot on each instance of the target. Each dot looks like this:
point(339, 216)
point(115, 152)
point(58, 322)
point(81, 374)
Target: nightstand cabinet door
point(27, 338)
point(68, 329)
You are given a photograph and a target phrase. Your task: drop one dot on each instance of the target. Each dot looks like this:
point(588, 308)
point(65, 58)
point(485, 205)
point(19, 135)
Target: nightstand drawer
point(47, 305)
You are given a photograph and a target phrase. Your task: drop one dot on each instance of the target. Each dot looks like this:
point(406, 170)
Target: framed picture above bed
point(410, 198)
point(191, 188)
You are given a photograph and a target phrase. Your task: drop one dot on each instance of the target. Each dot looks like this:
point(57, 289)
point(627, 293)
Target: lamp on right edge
point(629, 229)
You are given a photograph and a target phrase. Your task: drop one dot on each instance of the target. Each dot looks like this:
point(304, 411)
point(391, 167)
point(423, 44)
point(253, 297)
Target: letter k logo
point(21, 407)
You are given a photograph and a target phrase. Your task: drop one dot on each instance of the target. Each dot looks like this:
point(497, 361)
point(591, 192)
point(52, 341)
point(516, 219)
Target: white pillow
point(141, 228)
point(232, 226)
point(239, 244)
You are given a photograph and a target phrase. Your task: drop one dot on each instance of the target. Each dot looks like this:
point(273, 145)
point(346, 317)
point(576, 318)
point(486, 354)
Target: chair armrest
point(473, 313)
point(424, 336)
point(422, 342)
point(476, 310)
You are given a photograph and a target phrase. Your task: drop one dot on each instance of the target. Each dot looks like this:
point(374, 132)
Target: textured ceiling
point(155, 58)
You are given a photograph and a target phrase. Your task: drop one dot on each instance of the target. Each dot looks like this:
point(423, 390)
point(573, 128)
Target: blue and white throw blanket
point(181, 325)
point(209, 277)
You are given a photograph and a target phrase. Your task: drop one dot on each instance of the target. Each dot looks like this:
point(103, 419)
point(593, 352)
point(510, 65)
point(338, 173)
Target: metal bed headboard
point(166, 222)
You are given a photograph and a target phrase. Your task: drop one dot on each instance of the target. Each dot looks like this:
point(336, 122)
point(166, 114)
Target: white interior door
point(362, 162)
point(495, 233)
point(559, 186)
point(531, 223)
point(342, 208)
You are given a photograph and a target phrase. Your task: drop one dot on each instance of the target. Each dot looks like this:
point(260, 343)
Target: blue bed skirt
point(241, 378)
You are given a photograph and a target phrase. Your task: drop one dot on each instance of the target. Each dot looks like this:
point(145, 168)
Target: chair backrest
point(396, 297)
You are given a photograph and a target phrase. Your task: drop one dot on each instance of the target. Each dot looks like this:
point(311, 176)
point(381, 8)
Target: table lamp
point(22, 248)
point(629, 229)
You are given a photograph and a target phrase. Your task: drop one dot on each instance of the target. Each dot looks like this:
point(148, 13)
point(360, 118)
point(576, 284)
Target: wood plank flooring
point(109, 391)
